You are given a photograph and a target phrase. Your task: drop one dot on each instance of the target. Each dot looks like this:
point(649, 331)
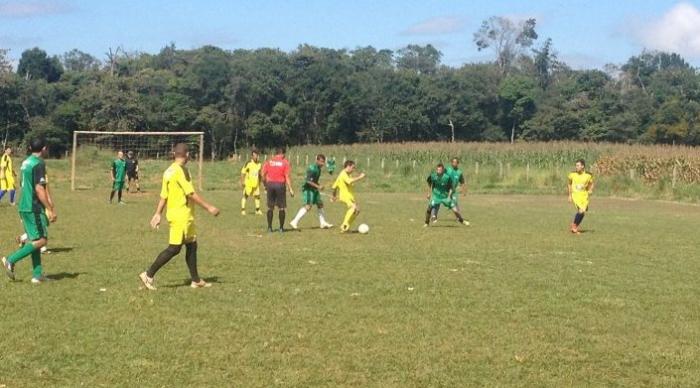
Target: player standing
point(250, 181)
point(132, 172)
point(580, 187)
point(7, 175)
point(275, 173)
point(35, 210)
point(441, 193)
point(311, 194)
point(178, 194)
point(343, 191)
point(118, 172)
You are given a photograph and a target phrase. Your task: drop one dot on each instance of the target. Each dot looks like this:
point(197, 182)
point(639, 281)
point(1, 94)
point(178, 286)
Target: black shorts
point(132, 175)
point(277, 195)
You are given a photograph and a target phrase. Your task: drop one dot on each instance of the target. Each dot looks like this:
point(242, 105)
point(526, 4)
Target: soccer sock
point(322, 216)
point(428, 213)
point(348, 217)
point(578, 218)
point(299, 215)
point(191, 259)
point(12, 196)
point(282, 216)
point(119, 196)
point(269, 218)
point(164, 257)
point(36, 264)
point(111, 196)
point(257, 204)
point(243, 203)
point(2, 194)
point(459, 217)
point(23, 238)
point(21, 253)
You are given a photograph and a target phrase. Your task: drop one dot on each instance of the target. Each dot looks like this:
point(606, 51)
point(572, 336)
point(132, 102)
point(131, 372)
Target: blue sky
point(585, 33)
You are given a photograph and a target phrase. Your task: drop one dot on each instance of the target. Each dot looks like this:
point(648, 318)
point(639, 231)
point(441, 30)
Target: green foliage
point(36, 64)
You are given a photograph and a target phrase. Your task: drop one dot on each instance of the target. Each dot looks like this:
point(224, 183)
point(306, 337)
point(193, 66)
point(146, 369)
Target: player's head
point(120, 154)
point(8, 150)
point(440, 168)
point(454, 162)
point(580, 165)
point(130, 154)
point(38, 145)
point(254, 155)
point(181, 152)
point(321, 160)
point(279, 151)
point(349, 166)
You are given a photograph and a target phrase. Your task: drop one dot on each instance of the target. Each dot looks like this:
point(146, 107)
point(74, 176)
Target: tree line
point(315, 95)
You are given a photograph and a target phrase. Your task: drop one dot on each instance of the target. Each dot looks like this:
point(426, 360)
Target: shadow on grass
point(65, 275)
point(60, 249)
point(186, 282)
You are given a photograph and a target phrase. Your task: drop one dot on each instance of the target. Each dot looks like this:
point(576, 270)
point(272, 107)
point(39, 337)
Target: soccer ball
point(364, 228)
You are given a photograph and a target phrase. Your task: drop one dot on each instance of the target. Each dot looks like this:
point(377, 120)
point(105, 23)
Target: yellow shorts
point(581, 202)
point(182, 232)
point(348, 201)
point(252, 191)
point(7, 184)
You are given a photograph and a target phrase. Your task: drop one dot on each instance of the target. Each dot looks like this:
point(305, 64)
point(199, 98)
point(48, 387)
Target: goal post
point(93, 152)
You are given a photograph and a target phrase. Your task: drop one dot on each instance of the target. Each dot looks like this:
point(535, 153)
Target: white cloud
point(27, 9)
point(678, 30)
point(436, 26)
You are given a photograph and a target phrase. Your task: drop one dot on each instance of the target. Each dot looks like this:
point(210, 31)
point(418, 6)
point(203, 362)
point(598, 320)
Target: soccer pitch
point(513, 300)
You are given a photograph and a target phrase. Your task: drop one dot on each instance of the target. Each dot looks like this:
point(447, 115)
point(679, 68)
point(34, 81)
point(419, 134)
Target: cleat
point(122, 203)
point(258, 213)
point(19, 241)
point(41, 279)
point(9, 268)
point(149, 283)
point(44, 250)
point(243, 212)
point(344, 228)
point(281, 230)
point(200, 284)
point(294, 226)
point(326, 226)
point(426, 225)
point(465, 223)
point(433, 219)
point(269, 230)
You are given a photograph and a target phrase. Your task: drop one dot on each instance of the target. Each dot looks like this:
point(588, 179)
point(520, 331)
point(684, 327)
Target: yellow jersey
point(176, 189)
point(580, 184)
point(252, 173)
point(344, 186)
point(8, 177)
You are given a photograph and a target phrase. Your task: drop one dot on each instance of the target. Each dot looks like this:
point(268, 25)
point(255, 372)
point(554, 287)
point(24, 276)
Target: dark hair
point(254, 151)
point(440, 165)
point(37, 144)
point(321, 157)
point(583, 162)
point(279, 151)
point(455, 158)
point(180, 150)
point(348, 163)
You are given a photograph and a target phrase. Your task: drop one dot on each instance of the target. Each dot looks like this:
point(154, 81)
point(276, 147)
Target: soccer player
point(24, 238)
point(132, 172)
point(118, 174)
point(441, 193)
point(178, 194)
point(311, 194)
point(458, 184)
point(343, 191)
point(7, 175)
point(35, 210)
point(275, 173)
point(580, 187)
point(250, 182)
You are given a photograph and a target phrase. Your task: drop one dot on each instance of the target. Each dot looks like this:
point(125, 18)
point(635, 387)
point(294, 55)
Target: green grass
point(514, 300)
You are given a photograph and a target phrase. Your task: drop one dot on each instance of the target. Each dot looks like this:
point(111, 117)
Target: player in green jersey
point(36, 211)
point(459, 186)
point(311, 194)
point(118, 176)
point(441, 193)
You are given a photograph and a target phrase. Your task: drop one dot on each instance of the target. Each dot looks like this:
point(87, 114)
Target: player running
point(343, 191)
point(35, 210)
point(311, 194)
point(580, 187)
point(178, 194)
point(132, 172)
point(250, 182)
point(7, 176)
point(118, 173)
point(275, 174)
point(441, 193)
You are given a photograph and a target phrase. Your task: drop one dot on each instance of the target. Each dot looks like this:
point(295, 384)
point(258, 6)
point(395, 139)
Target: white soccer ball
point(363, 228)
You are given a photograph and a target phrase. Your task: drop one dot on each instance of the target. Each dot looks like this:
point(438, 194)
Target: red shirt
point(276, 169)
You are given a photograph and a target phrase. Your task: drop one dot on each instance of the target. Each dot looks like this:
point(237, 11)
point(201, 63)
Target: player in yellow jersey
point(7, 176)
point(178, 194)
point(343, 191)
point(250, 182)
point(580, 188)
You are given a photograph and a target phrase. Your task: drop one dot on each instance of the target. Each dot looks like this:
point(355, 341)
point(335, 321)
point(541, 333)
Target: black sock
point(282, 215)
point(163, 258)
point(459, 217)
point(111, 196)
point(577, 219)
point(427, 215)
point(191, 259)
point(119, 195)
point(269, 218)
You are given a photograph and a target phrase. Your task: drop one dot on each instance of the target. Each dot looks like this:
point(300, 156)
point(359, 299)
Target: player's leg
point(455, 209)
point(350, 215)
point(322, 214)
point(282, 206)
point(271, 200)
point(256, 199)
point(35, 227)
point(175, 240)
point(429, 213)
point(578, 218)
point(307, 200)
point(244, 200)
point(12, 196)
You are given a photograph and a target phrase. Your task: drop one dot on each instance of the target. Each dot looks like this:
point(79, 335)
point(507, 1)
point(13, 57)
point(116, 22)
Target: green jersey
point(313, 174)
point(33, 173)
point(456, 175)
point(119, 169)
point(440, 184)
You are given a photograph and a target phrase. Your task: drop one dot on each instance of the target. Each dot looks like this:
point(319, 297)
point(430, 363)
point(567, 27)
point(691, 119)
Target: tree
point(506, 37)
point(545, 62)
point(36, 64)
point(5, 64)
point(421, 59)
point(517, 94)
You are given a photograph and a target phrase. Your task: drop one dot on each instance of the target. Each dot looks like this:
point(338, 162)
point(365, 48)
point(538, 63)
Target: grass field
point(514, 300)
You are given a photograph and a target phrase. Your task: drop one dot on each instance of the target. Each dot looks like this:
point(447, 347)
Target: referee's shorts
point(276, 195)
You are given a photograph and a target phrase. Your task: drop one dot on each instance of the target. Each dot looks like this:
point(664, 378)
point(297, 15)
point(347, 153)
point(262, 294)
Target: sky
point(585, 34)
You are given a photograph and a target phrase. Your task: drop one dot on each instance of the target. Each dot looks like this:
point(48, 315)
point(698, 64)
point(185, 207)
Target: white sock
point(23, 238)
point(322, 216)
point(299, 215)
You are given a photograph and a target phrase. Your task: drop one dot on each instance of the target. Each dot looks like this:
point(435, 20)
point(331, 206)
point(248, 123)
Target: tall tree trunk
point(512, 133)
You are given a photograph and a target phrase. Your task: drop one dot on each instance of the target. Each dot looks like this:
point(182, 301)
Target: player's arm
point(204, 204)
point(244, 172)
point(3, 166)
point(357, 178)
point(288, 180)
point(155, 220)
point(39, 177)
point(591, 185)
point(310, 180)
point(570, 188)
point(113, 171)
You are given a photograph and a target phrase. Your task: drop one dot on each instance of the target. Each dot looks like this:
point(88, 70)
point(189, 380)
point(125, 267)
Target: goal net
point(93, 153)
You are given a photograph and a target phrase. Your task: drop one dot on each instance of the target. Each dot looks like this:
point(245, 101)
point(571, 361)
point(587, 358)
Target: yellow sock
point(257, 203)
point(352, 217)
point(243, 203)
point(348, 217)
